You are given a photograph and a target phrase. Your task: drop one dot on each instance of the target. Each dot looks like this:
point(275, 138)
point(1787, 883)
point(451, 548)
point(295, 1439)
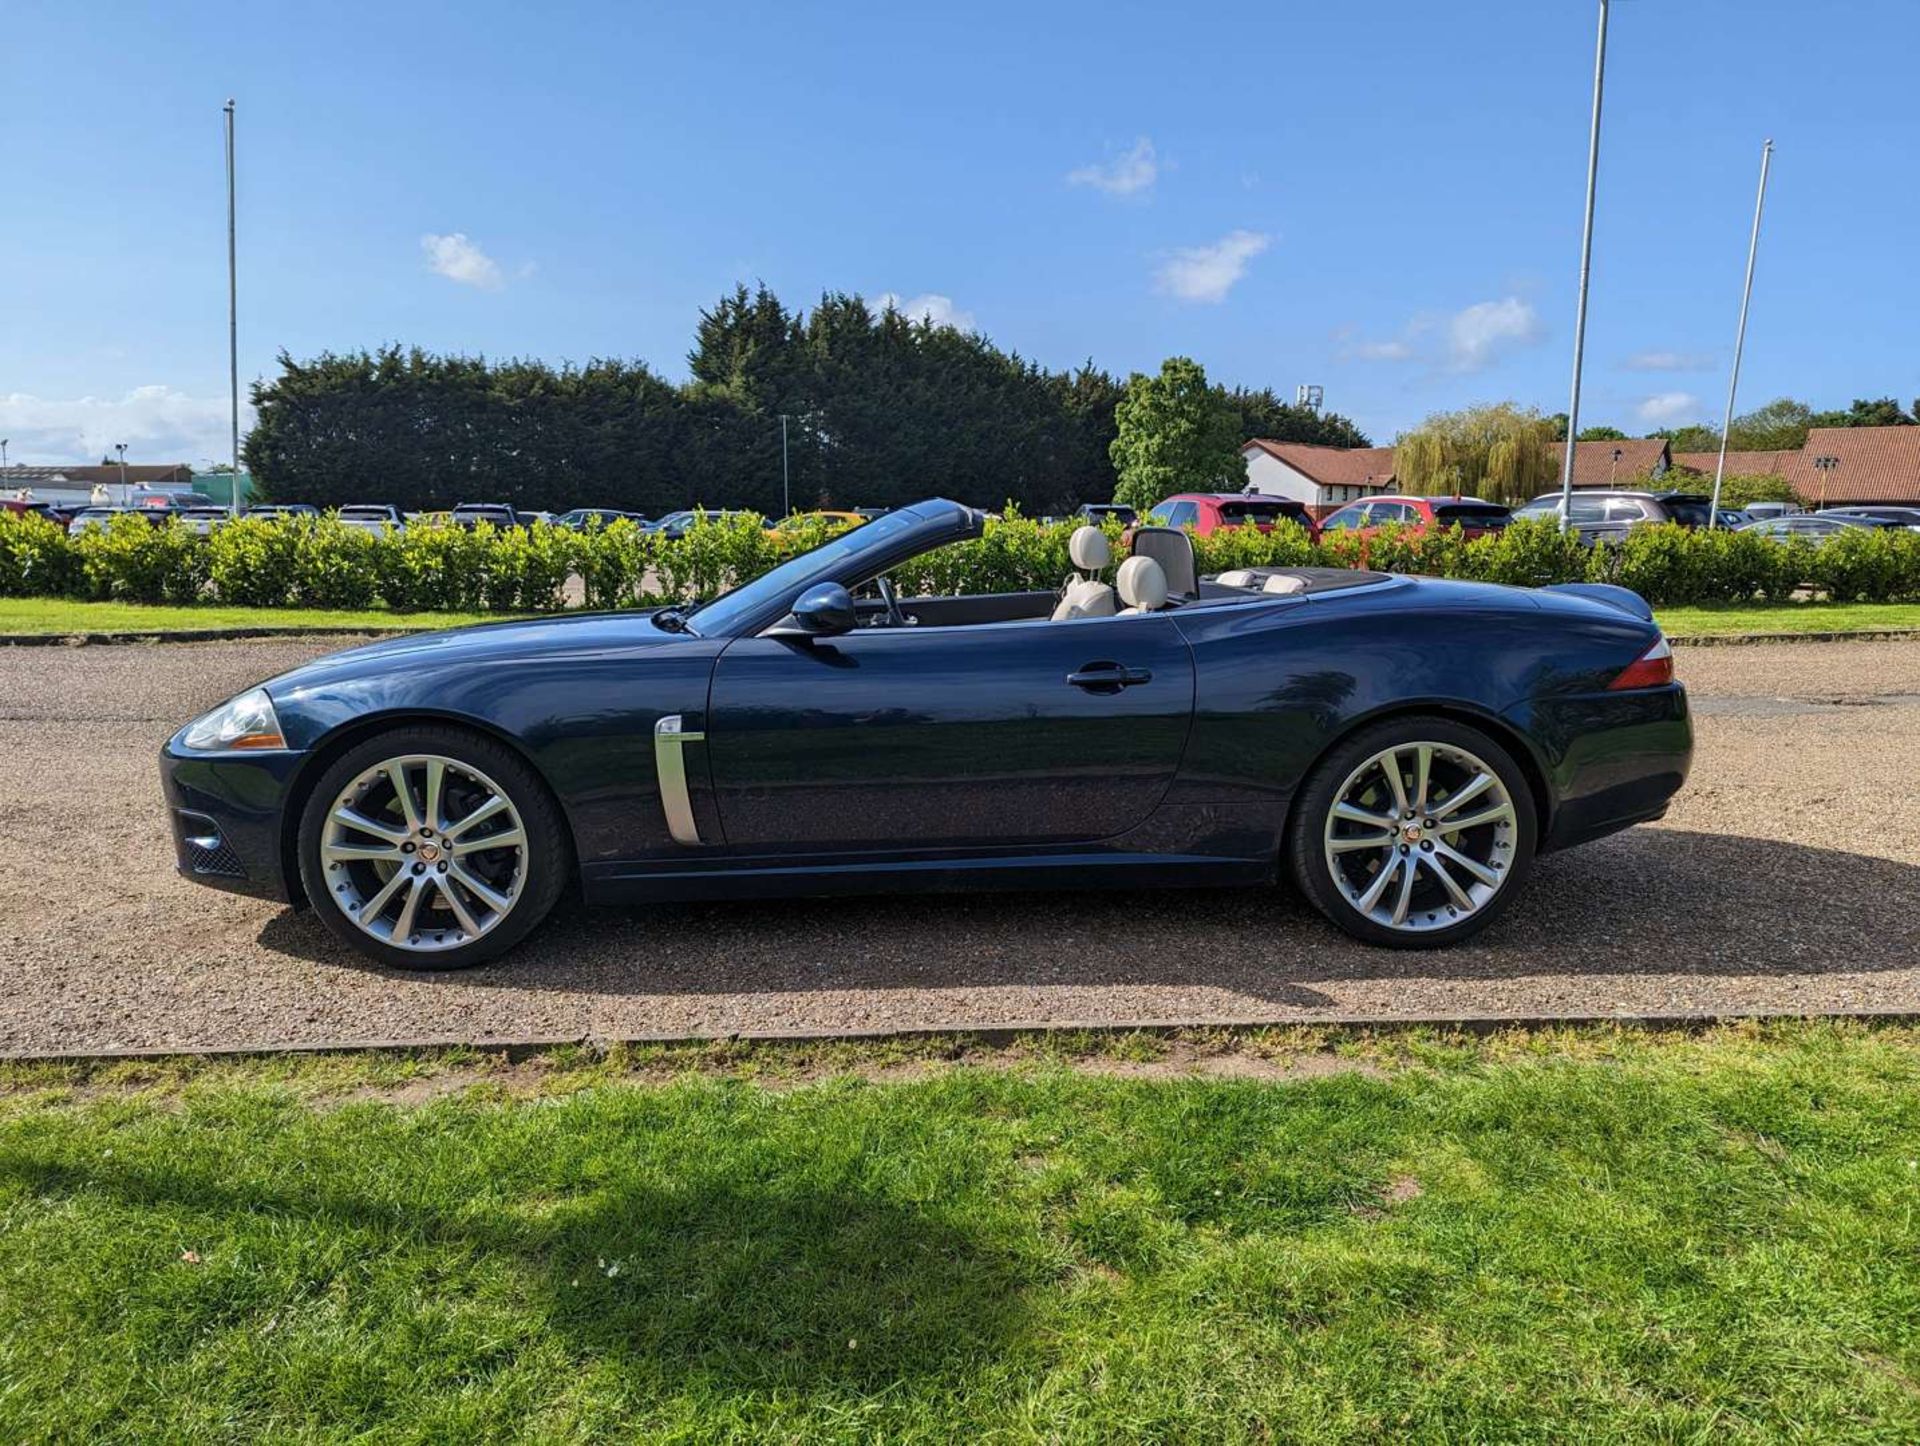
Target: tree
point(1760, 487)
point(1879, 412)
point(1691, 438)
point(1175, 434)
point(1780, 426)
point(1595, 434)
point(1501, 451)
point(1262, 414)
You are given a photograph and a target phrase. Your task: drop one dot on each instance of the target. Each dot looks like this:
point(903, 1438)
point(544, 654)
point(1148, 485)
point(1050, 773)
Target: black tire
point(542, 869)
point(1505, 849)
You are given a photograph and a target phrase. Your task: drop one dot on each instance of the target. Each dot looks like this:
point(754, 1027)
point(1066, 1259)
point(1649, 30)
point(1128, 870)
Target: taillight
point(1652, 669)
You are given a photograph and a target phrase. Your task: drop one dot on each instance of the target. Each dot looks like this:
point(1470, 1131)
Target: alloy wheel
point(423, 852)
point(1421, 836)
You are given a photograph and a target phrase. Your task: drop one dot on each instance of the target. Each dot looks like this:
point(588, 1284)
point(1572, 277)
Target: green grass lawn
point(61, 615)
point(1798, 617)
point(1580, 1236)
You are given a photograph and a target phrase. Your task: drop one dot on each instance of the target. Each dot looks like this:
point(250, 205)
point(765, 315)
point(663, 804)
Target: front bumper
point(226, 811)
point(1612, 759)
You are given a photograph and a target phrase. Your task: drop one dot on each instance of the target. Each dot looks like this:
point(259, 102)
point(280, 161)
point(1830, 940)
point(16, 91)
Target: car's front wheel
point(1414, 833)
point(432, 848)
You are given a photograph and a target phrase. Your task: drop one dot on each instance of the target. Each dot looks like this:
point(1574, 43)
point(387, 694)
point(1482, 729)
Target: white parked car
point(378, 517)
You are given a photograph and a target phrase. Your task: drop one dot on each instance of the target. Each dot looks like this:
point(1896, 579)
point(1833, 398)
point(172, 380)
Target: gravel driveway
point(1786, 878)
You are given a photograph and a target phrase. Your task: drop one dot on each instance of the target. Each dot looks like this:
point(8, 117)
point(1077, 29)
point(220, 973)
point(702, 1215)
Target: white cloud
point(1127, 174)
point(1207, 273)
point(1470, 340)
point(458, 259)
point(1669, 407)
point(1670, 361)
point(929, 306)
point(1483, 333)
point(157, 423)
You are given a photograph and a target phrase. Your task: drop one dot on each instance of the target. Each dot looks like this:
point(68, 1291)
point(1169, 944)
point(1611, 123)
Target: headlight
point(244, 722)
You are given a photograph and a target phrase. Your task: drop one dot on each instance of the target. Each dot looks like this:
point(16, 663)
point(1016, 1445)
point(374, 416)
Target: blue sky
point(1380, 198)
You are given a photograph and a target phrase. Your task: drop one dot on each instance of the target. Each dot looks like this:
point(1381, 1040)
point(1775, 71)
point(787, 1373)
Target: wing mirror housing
point(824, 610)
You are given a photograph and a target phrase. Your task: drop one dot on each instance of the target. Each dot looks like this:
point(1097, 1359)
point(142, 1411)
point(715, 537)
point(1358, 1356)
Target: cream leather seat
point(1085, 596)
point(1142, 583)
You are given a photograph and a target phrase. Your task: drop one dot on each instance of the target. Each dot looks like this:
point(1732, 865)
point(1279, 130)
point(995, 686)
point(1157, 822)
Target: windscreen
point(1472, 514)
point(1261, 511)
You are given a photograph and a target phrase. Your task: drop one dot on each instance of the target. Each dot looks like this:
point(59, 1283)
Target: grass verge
point(63, 615)
point(1793, 617)
point(1594, 1234)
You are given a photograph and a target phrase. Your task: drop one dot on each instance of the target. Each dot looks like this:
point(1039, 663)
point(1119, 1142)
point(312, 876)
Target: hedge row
point(308, 563)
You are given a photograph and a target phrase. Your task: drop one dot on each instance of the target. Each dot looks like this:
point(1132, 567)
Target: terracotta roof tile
point(1593, 464)
point(1876, 464)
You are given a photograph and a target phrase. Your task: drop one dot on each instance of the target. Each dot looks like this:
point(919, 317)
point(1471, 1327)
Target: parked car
point(1205, 513)
point(1732, 517)
point(494, 514)
point(1893, 516)
point(1813, 525)
point(90, 518)
point(1474, 517)
point(582, 518)
point(1759, 510)
point(204, 519)
point(675, 524)
point(272, 511)
point(795, 521)
point(1607, 514)
point(381, 517)
point(1099, 512)
point(431, 798)
point(176, 501)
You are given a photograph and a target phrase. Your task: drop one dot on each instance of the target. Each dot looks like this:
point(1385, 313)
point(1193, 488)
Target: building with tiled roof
point(1619, 463)
point(1320, 477)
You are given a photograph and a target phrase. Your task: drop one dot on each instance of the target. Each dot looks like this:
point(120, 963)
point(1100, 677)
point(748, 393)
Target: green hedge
point(322, 563)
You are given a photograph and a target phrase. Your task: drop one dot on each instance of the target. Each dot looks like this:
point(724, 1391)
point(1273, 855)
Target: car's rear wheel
point(432, 848)
point(1414, 833)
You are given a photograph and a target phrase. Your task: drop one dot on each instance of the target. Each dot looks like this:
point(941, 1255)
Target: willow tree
point(1501, 451)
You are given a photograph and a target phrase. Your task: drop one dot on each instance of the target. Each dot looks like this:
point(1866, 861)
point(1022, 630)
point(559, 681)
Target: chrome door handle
point(1105, 677)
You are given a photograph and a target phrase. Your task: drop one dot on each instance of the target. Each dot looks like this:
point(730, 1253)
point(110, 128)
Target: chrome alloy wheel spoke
point(1442, 854)
point(403, 873)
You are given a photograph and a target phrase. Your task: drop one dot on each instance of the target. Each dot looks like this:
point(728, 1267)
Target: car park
point(98, 518)
point(1473, 516)
point(812, 732)
point(1205, 513)
point(1099, 512)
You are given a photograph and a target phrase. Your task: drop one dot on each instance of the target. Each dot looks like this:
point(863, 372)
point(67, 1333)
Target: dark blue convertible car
point(1400, 748)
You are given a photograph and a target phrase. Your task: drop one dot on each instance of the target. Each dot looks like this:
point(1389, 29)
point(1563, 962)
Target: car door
point(993, 735)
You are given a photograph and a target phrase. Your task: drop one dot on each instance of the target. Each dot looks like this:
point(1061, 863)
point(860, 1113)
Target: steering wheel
point(895, 618)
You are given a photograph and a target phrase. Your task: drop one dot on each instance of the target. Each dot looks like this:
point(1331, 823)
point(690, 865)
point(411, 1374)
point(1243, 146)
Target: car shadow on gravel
point(1649, 901)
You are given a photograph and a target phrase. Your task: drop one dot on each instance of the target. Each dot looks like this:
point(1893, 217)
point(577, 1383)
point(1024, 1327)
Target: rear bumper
point(1612, 759)
point(225, 811)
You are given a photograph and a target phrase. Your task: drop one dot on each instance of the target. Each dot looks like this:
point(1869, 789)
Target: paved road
point(1787, 877)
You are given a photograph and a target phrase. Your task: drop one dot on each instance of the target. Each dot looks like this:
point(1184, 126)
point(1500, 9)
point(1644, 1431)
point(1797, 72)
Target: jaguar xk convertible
point(1399, 747)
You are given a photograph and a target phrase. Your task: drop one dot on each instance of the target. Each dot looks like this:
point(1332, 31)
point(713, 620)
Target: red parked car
point(1474, 517)
point(1206, 513)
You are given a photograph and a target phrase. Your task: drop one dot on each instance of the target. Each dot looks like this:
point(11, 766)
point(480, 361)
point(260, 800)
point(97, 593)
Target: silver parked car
point(380, 517)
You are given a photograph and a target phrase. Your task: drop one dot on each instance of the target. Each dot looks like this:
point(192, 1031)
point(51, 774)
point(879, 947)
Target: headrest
point(1141, 584)
point(1089, 549)
point(1172, 548)
point(1283, 582)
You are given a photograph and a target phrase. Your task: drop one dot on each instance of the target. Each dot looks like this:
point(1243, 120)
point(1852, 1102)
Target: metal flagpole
point(233, 330)
point(786, 491)
point(1740, 337)
point(1586, 267)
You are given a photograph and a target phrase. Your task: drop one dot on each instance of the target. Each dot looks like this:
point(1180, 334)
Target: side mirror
point(822, 611)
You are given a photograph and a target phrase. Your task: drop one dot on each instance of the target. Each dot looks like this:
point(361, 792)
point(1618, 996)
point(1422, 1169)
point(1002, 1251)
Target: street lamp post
point(121, 448)
point(786, 490)
point(1825, 466)
point(1586, 269)
point(233, 332)
point(1740, 336)
point(1617, 455)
